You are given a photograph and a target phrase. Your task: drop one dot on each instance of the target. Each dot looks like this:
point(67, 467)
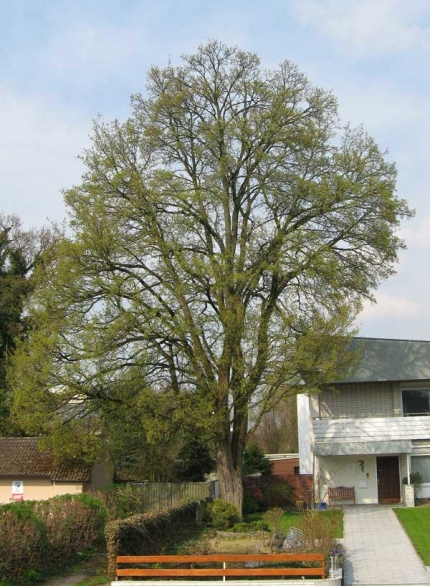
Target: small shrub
point(37, 537)
point(201, 546)
point(273, 517)
point(222, 514)
point(319, 531)
point(122, 500)
point(250, 527)
point(23, 543)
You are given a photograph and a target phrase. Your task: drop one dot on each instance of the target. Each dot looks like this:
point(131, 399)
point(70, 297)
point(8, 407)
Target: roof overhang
point(363, 448)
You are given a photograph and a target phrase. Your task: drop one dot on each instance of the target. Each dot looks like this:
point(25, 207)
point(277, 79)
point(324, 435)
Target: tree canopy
point(20, 251)
point(255, 461)
point(224, 237)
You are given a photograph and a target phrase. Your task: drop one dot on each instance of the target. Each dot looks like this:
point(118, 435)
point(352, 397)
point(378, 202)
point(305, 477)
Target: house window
point(421, 464)
point(416, 402)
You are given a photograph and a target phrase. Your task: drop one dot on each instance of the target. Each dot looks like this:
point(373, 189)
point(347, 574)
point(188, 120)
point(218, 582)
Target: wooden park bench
point(220, 565)
point(341, 493)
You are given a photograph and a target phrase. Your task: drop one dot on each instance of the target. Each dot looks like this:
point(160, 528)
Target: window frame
point(414, 388)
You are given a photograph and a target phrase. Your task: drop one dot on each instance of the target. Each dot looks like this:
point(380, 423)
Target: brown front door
point(388, 479)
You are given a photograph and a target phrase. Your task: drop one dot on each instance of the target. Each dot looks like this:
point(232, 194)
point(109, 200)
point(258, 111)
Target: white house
point(373, 429)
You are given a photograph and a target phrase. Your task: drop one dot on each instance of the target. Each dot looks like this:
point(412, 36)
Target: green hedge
point(147, 533)
point(38, 537)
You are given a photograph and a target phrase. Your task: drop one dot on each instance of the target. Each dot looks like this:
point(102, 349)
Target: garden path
point(86, 570)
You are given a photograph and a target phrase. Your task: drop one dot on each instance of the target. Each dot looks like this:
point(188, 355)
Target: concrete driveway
point(378, 551)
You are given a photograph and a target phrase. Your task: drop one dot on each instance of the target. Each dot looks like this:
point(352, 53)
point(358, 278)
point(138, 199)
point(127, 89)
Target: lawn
point(416, 522)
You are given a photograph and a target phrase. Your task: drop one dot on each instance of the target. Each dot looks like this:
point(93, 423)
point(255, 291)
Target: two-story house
point(372, 429)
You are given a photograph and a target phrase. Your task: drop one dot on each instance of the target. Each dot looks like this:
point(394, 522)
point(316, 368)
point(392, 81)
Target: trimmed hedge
point(37, 537)
point(147, 533)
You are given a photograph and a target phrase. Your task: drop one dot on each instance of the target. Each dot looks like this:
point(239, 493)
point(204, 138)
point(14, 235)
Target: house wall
point(284, 465)
point(67, 488)
point(357, 471)
point(37, 489)
point(304, 425)
point(360, 400)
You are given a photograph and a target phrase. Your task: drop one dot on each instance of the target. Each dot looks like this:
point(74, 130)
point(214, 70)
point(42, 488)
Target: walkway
point(378, 551)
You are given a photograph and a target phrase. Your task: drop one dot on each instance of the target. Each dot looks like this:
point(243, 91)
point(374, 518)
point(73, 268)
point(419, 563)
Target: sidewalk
point(378, 551)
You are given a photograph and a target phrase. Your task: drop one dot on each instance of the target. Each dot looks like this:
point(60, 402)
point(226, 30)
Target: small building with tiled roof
point(28, 472)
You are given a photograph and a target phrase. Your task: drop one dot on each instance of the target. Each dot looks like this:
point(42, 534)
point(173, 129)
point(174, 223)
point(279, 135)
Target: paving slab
point(378, 551)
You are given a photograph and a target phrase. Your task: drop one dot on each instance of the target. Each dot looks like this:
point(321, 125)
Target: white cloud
point(368, 27)
point(383, 105)
point(388, 306)
point(92, 51)
point(39, 144)
point(417, 236)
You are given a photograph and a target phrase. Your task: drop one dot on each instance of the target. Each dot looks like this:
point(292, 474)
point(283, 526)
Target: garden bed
point(212, 541)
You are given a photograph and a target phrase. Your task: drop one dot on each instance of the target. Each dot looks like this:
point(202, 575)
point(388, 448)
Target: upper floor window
point(416, 402)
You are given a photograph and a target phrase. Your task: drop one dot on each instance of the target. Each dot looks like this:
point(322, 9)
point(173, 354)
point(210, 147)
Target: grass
point(416, 522)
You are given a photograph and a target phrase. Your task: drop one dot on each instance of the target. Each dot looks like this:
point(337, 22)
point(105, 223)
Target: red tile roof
point(21, 456)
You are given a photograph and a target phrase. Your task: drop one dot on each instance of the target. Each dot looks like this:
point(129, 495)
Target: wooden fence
point(161, 495)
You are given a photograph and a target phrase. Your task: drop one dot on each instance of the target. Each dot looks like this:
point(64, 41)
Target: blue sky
point(62, 63)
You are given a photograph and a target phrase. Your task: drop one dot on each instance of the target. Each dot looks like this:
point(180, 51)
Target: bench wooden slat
point(264, 557)
point(158, 572)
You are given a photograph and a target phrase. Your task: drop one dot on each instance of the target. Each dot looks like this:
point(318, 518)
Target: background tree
point(224, 237)
point(20, 251)
point(255, 461)
point(277, 432)
point(193, 461)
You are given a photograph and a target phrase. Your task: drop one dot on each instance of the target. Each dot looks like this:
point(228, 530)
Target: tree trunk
point(230, 477)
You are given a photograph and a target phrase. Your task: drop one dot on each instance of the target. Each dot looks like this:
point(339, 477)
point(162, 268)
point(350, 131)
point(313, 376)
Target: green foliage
point(222, 514)
point(416, 478)
point(122, 500)
point(221, 243)
point(193, 461)
point(250, 527)
point(20, 251)
point(256, 461)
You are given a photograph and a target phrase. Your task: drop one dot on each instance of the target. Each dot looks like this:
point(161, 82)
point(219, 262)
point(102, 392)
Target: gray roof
point(389, 360)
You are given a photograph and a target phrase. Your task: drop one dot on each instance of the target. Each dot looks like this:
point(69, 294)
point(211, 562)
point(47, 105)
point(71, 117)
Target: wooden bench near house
point(341, 493)
point(220, 565)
